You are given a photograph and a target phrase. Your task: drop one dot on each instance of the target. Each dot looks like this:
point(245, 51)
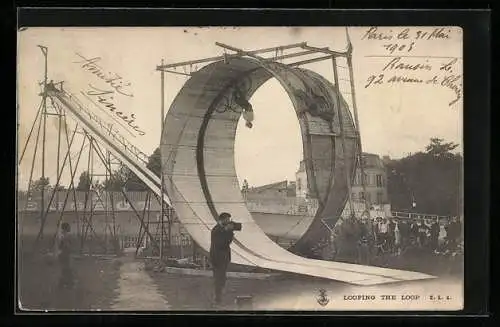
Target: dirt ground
point(422, 261)
point(98, 280)
point(196, 292)
point(96, 284)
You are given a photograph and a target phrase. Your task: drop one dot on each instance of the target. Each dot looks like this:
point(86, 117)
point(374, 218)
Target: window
point(361, 195)
point(354, 196)
point(357, 180)
point(367, 179)
point(380, 181)
point(368, 197)
point(299, 184)
point(380, 197)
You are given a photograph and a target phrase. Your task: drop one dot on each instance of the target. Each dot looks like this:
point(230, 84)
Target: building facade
point(301, 188)
point(375, 179)
point(278, 190)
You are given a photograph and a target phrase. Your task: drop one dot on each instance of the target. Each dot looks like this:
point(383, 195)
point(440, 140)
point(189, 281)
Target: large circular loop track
point(198, 147)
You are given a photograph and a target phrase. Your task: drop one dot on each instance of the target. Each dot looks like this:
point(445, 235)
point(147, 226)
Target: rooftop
point(370, 160)
point(277, 185)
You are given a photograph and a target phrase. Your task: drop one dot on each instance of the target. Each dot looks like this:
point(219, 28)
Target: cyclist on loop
point(242, 101)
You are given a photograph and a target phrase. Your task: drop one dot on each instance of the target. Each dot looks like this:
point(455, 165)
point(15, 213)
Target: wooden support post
point(356, 120)
point(218, 58)
point(342, 134)
point(162, 117)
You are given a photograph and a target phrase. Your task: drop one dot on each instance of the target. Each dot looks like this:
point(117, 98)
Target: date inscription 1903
point(402, 66)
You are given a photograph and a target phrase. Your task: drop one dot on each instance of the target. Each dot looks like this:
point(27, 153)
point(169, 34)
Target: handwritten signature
point(395, 71)
point(399, 64)
point(374, 34)
point(404, 67)
point(105, 98)
point(404, 40)
point(113, 79)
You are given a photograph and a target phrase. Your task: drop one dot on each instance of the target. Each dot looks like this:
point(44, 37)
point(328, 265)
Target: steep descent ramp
point(251, 247)
point(198, 220)
point(200, 177)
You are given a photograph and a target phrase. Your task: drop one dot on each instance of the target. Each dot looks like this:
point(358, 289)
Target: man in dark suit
point(66, 277)
point(434, 235)
point(365, 241)
point(220, 252)
point(453, 232)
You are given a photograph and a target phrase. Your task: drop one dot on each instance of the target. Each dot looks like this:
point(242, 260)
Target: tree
point(114, 183)
point(439, 149)
point(134, 183)
point(117, 180)
point(432, 179)
point(84, 181)
point(39, 184)
point(125, 178)
point(154, 164)
point(59, 188)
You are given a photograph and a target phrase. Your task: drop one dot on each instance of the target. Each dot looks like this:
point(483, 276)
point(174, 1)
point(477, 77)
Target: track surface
point(200, 179)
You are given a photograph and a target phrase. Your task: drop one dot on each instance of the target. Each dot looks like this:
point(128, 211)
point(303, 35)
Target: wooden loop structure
point(199, 134)
point(197, 148)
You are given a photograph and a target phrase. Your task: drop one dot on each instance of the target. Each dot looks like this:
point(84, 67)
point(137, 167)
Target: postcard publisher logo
point(323, 298)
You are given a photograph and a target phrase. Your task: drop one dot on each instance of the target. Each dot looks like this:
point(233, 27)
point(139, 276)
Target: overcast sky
point(395, 118)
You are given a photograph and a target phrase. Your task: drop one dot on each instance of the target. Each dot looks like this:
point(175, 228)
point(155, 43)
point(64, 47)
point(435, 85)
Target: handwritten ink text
point(105, 97)
point(398, 63)
point(404, 66)
point(113, 79)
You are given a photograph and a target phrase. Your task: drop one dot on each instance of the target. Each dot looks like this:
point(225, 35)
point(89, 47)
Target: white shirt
point(383, 227)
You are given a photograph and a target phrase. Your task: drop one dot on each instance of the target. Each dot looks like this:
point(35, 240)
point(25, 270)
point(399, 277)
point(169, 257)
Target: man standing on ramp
point(220, 252)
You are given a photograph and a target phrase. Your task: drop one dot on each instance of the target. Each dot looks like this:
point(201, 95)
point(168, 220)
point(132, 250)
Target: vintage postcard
point(240, 168)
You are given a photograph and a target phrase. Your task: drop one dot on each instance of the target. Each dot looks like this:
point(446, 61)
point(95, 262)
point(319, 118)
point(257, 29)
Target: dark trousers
point(422, 240)
point(434, 242)
point(452, 243)
point(382, 237)
point(390, 240)
point(364, 253)
point(219, 272)
point(66, 277)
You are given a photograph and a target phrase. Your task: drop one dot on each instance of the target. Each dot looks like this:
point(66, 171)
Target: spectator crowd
point(396, 235)
point(367, 238)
